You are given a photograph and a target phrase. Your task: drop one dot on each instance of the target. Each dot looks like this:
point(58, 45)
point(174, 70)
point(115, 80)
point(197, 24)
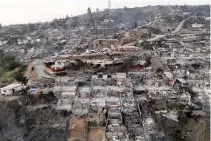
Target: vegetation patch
point(10, 76)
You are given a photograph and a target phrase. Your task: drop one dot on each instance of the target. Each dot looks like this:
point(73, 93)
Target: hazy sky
point(26, 11)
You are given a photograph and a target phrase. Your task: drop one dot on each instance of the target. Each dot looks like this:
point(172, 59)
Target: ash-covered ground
point(24, 121)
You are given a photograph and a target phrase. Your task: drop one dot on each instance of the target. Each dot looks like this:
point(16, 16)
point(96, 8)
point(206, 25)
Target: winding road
point(174, 31)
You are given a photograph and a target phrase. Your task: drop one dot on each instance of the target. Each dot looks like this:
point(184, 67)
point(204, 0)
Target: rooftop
point(11, 86)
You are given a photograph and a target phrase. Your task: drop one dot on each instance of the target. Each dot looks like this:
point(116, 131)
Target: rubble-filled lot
point(25, 123)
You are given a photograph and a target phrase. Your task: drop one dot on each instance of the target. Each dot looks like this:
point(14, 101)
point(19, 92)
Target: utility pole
point(109, 15)
point(109, 4)
point(89, 12)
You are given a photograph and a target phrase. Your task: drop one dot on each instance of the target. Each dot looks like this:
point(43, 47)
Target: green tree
point(125, 8)
point(9, 63)
point(148, 62)
point(146, 45)
point(20, 78)
point(79, 63)
point(128, 62)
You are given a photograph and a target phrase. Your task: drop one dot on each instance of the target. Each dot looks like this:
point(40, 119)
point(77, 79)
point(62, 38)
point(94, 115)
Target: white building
point(197, 25)
point(61, 63)
point(11, 89)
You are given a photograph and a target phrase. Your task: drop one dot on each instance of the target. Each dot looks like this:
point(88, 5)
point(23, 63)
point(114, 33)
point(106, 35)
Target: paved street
point(39, 67)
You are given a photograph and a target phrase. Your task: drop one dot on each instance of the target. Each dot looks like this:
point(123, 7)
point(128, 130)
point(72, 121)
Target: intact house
point(11, 89)
point(58, 68)
point(100, 63)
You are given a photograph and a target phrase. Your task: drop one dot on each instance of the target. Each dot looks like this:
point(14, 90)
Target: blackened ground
point(17, 123)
